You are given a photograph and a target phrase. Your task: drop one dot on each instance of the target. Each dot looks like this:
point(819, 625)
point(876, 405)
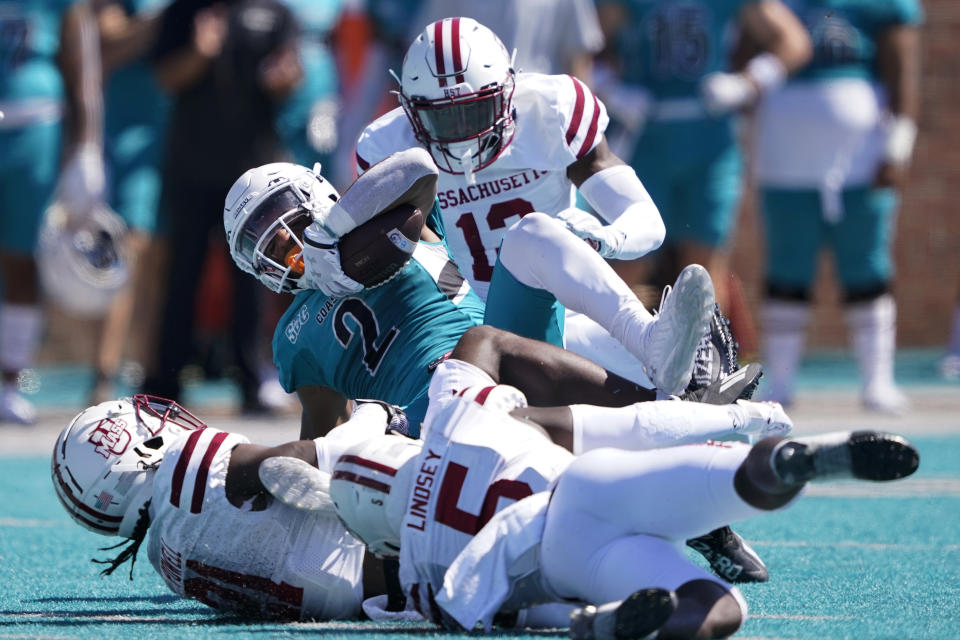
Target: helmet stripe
point(369, 464)
point(370, 483)
point(65, 490)
point(88, 523)
point(455, 38)
point(200, 484)
point(438, 51)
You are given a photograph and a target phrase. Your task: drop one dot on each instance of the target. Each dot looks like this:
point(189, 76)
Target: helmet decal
point(110, 437)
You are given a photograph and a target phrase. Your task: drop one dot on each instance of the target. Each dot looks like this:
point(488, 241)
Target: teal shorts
point(693, 173)
point(531, 313)
point(29, 163)
point(860, 241)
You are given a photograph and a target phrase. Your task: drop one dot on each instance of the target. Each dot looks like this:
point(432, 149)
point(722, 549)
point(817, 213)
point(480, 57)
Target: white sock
point(784, 336)
point(20, 328)
point(650, 425)
point(873, 329)
point(540, 252)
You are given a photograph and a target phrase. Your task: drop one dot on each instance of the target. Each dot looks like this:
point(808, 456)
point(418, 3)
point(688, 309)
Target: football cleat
point(717, 353)
point(669, 343)
point(729, 556)
point(862, 455)
point(727, 389)
point(637, 616)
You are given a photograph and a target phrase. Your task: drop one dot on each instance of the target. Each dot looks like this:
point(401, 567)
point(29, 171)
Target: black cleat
point(637, 616)
point(862, 455)
point(730, 556)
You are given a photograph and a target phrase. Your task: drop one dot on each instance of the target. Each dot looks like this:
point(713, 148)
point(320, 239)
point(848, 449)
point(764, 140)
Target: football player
point(507, 144)
point(489, 518)
point(667, 80)
point(50, 92)
point(146, 469)
point(833, 148)
point(341, 340)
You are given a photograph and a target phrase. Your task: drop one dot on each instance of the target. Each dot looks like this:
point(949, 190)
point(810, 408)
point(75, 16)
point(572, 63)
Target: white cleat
point(15, 408)
point(764, 419)
point(296, 483)
point(669, 343)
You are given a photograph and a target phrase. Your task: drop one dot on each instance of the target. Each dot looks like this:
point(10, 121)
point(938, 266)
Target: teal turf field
point(849, 561)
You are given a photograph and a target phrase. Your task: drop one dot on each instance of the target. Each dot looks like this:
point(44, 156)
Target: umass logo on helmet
point(110, 438)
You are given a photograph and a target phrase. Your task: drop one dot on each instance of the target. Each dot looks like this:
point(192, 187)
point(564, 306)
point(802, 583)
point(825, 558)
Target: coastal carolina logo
point(399, 240)
point(296, 325)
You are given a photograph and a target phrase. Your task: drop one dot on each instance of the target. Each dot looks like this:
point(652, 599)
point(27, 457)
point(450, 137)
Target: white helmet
point(456, 87)
point(82, 260)
point(103, 462)
point(370, 486)
point(264, 216)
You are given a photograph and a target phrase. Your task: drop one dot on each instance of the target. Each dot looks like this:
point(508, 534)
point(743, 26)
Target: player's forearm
point(123, 38)
point(405, 177)
point(898, 61)
point(79, 61)
point(618, 196)
point(777, 30)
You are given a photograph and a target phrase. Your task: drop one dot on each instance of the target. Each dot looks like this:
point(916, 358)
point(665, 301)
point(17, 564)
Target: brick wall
point(927, 251)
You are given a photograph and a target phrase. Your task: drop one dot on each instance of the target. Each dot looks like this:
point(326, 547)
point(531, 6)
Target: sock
point(784, 335)
point(540, 253)
point(873, 328)
point(20, 327)
point(650, 425)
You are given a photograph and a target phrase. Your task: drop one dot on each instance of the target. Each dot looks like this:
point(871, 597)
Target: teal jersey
point(133, 96)
point(29, 40)
point(667, 46)
point(380, 343)
point(844, 33)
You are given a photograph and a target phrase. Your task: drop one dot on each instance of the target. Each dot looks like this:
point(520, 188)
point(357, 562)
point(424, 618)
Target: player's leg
point(793, 225)
point(539, 252)
point(862, 243)
point(548, 375)
point(28, 170)
point(621, 514)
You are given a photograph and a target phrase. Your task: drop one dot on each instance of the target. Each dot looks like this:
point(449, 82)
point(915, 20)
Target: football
point(375, 251)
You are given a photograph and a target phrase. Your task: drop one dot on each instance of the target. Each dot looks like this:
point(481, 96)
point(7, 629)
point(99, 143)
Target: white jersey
point(475, 462)
point(278, 562)
point(558, 120)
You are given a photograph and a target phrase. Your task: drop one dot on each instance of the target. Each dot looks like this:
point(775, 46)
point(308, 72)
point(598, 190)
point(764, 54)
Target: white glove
point(81, 184)
point(604, 239)
point(321, 261)
point(726, 92)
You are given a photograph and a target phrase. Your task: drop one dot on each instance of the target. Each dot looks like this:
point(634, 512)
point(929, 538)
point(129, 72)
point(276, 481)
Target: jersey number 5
point(496, 219)
point(450, 514)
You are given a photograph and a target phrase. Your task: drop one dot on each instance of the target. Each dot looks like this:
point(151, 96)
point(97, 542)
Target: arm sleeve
point(619, 198)
point(367, 421)
point(381, 185)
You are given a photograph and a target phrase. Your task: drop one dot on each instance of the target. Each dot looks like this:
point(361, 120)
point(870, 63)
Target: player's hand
point(604, 239)
point(81, 184)
point(726, 92)
point(321, 261)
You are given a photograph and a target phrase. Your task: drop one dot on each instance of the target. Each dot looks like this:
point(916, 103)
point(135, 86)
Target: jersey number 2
point(366, 321)
point(496, 219)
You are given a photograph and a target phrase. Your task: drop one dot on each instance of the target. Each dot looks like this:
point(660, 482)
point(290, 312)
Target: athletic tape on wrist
point(901, 138)
point(767, 71)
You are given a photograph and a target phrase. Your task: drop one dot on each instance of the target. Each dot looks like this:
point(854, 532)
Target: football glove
point(81, 184)
point(605, 239)
point(321, 262)
point(725, 92)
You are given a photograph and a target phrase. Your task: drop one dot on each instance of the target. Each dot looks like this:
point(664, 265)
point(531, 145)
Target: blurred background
point(312, 78)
